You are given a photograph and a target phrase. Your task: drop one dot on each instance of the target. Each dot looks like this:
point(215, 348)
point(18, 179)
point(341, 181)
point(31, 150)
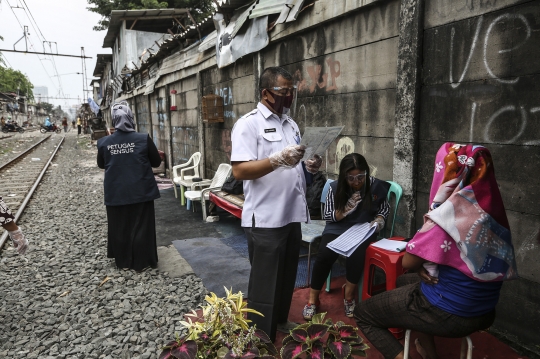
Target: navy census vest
point(379, 191)
point(128, 174)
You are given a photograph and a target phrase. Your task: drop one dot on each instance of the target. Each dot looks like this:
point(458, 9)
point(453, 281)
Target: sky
point(66, 22)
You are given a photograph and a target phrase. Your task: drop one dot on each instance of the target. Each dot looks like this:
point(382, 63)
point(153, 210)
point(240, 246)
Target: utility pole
point(85, 81)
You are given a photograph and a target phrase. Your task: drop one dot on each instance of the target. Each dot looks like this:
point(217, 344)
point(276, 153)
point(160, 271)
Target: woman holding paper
point(354, 198)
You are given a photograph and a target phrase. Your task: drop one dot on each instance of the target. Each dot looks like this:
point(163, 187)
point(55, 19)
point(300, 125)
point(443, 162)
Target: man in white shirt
point(266, 154)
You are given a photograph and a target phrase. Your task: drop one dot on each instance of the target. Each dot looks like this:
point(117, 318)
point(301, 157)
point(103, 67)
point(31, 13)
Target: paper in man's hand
point(318, 139)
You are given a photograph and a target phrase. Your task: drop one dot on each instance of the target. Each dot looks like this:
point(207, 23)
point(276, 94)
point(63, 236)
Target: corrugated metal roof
point(290, 11)
point(118, 16)
point(209, 42)
point(241, 19)
point(268, 7)
point(185, 58)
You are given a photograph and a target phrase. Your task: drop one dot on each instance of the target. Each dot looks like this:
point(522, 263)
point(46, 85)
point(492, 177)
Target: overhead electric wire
point(43, 40)
point(40, 60)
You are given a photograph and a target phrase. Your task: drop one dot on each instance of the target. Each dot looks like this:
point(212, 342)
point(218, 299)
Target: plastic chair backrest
point(223, 172)
point(196, 157)
point(325, 193)
point(398, 192)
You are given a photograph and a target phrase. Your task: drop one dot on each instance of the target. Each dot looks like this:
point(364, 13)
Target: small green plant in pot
point(221, 332)
point(320, 339)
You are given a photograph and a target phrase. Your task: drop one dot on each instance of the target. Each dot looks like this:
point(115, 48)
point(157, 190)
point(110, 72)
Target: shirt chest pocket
point(271, 142)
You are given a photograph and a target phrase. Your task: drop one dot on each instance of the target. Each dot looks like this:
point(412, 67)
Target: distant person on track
point(79, 126)
point(65, 124)
point(48, 124)
point(130, 190)
point(7, 220)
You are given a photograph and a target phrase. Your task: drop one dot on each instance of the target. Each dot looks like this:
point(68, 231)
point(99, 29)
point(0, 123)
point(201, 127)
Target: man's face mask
point(282, 103)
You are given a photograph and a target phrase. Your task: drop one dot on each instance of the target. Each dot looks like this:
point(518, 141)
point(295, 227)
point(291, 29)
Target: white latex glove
point(352, 203)
point(380, 223)
point(313, 164)
point(288, 157)
point(19, 241)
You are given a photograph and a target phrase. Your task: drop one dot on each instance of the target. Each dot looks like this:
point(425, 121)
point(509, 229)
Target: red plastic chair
point(390, 263)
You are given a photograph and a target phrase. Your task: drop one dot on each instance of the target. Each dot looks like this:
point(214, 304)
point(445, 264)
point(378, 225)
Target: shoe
point(309, 311)
point(286, 327)
point(349, 304)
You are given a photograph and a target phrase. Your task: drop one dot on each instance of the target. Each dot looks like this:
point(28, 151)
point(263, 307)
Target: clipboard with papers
point(347, 243)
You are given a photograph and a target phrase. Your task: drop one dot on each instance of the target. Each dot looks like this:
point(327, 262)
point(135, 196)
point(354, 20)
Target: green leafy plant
point(222, 331)
point(320, 339)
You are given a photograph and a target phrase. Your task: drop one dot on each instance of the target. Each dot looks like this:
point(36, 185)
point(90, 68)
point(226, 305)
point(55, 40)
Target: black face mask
point(281, 102)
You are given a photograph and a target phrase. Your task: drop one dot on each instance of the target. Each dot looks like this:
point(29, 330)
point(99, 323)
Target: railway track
point(20, 177)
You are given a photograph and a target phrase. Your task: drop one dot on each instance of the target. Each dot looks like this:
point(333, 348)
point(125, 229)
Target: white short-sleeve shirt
point(279, 198)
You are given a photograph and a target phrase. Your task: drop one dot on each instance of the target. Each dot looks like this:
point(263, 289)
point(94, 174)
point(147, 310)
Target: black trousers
point(79, 128)
point(273, 254)
point(407, 307)
point(354, 265)
point(132, 235)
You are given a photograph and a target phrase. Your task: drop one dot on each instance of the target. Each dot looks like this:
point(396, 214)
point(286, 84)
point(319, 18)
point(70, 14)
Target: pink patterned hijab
point(466, 227)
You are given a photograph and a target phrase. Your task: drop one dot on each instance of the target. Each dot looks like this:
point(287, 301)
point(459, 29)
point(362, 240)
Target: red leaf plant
point(321, 339)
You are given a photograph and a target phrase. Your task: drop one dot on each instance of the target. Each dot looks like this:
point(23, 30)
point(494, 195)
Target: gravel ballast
point(65, 298)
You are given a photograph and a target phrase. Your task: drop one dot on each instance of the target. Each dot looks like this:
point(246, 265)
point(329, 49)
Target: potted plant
point(222, 331)
point(323, 339)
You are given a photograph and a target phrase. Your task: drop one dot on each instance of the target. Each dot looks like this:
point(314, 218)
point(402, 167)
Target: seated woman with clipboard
point(355, 197)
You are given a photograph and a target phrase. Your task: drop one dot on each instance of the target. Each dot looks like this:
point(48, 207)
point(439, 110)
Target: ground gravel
point(65, 299)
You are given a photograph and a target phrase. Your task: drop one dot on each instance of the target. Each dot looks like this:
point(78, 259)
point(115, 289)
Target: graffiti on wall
point(227, 94)
point(161, 112)
point(491, 50)
point(319, 76)
point(184, 143)
point(226, 144)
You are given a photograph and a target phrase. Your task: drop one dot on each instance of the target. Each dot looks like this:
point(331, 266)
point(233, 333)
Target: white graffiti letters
point(121, 148)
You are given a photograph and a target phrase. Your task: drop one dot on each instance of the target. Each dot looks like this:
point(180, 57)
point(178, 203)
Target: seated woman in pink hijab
point(462, 255)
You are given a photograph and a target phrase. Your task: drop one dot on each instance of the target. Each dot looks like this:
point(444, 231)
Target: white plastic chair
point(186, 181)
point(223, 172)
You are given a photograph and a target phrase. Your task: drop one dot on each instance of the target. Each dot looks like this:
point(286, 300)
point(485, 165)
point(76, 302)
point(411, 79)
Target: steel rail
point(4, 236)
point(24, 153)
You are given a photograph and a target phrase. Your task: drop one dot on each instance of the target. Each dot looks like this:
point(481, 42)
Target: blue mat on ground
point(239, 245)
point(217, 264)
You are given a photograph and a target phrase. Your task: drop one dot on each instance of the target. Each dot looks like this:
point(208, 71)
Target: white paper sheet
point(347, 243)
point(318, 139)
point(390, 245)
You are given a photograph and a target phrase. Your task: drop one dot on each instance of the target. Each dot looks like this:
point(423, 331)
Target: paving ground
point(65, 299)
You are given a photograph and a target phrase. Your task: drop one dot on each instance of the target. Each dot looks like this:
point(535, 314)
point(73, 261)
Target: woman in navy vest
point(130, 190)
point(355, 197)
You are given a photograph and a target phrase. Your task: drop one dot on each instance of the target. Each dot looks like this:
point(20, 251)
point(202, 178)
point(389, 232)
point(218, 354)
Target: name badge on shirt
point(268, 130)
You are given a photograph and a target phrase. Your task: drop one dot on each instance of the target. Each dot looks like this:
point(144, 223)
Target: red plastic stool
point(390, 263)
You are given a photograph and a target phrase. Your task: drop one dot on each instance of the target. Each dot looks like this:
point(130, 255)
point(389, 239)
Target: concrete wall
point(468, 72)
point(142, 115)
point(160, 121)
point(184, 121)
point(345, 71)
point(481, 84)
point(236, 85)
